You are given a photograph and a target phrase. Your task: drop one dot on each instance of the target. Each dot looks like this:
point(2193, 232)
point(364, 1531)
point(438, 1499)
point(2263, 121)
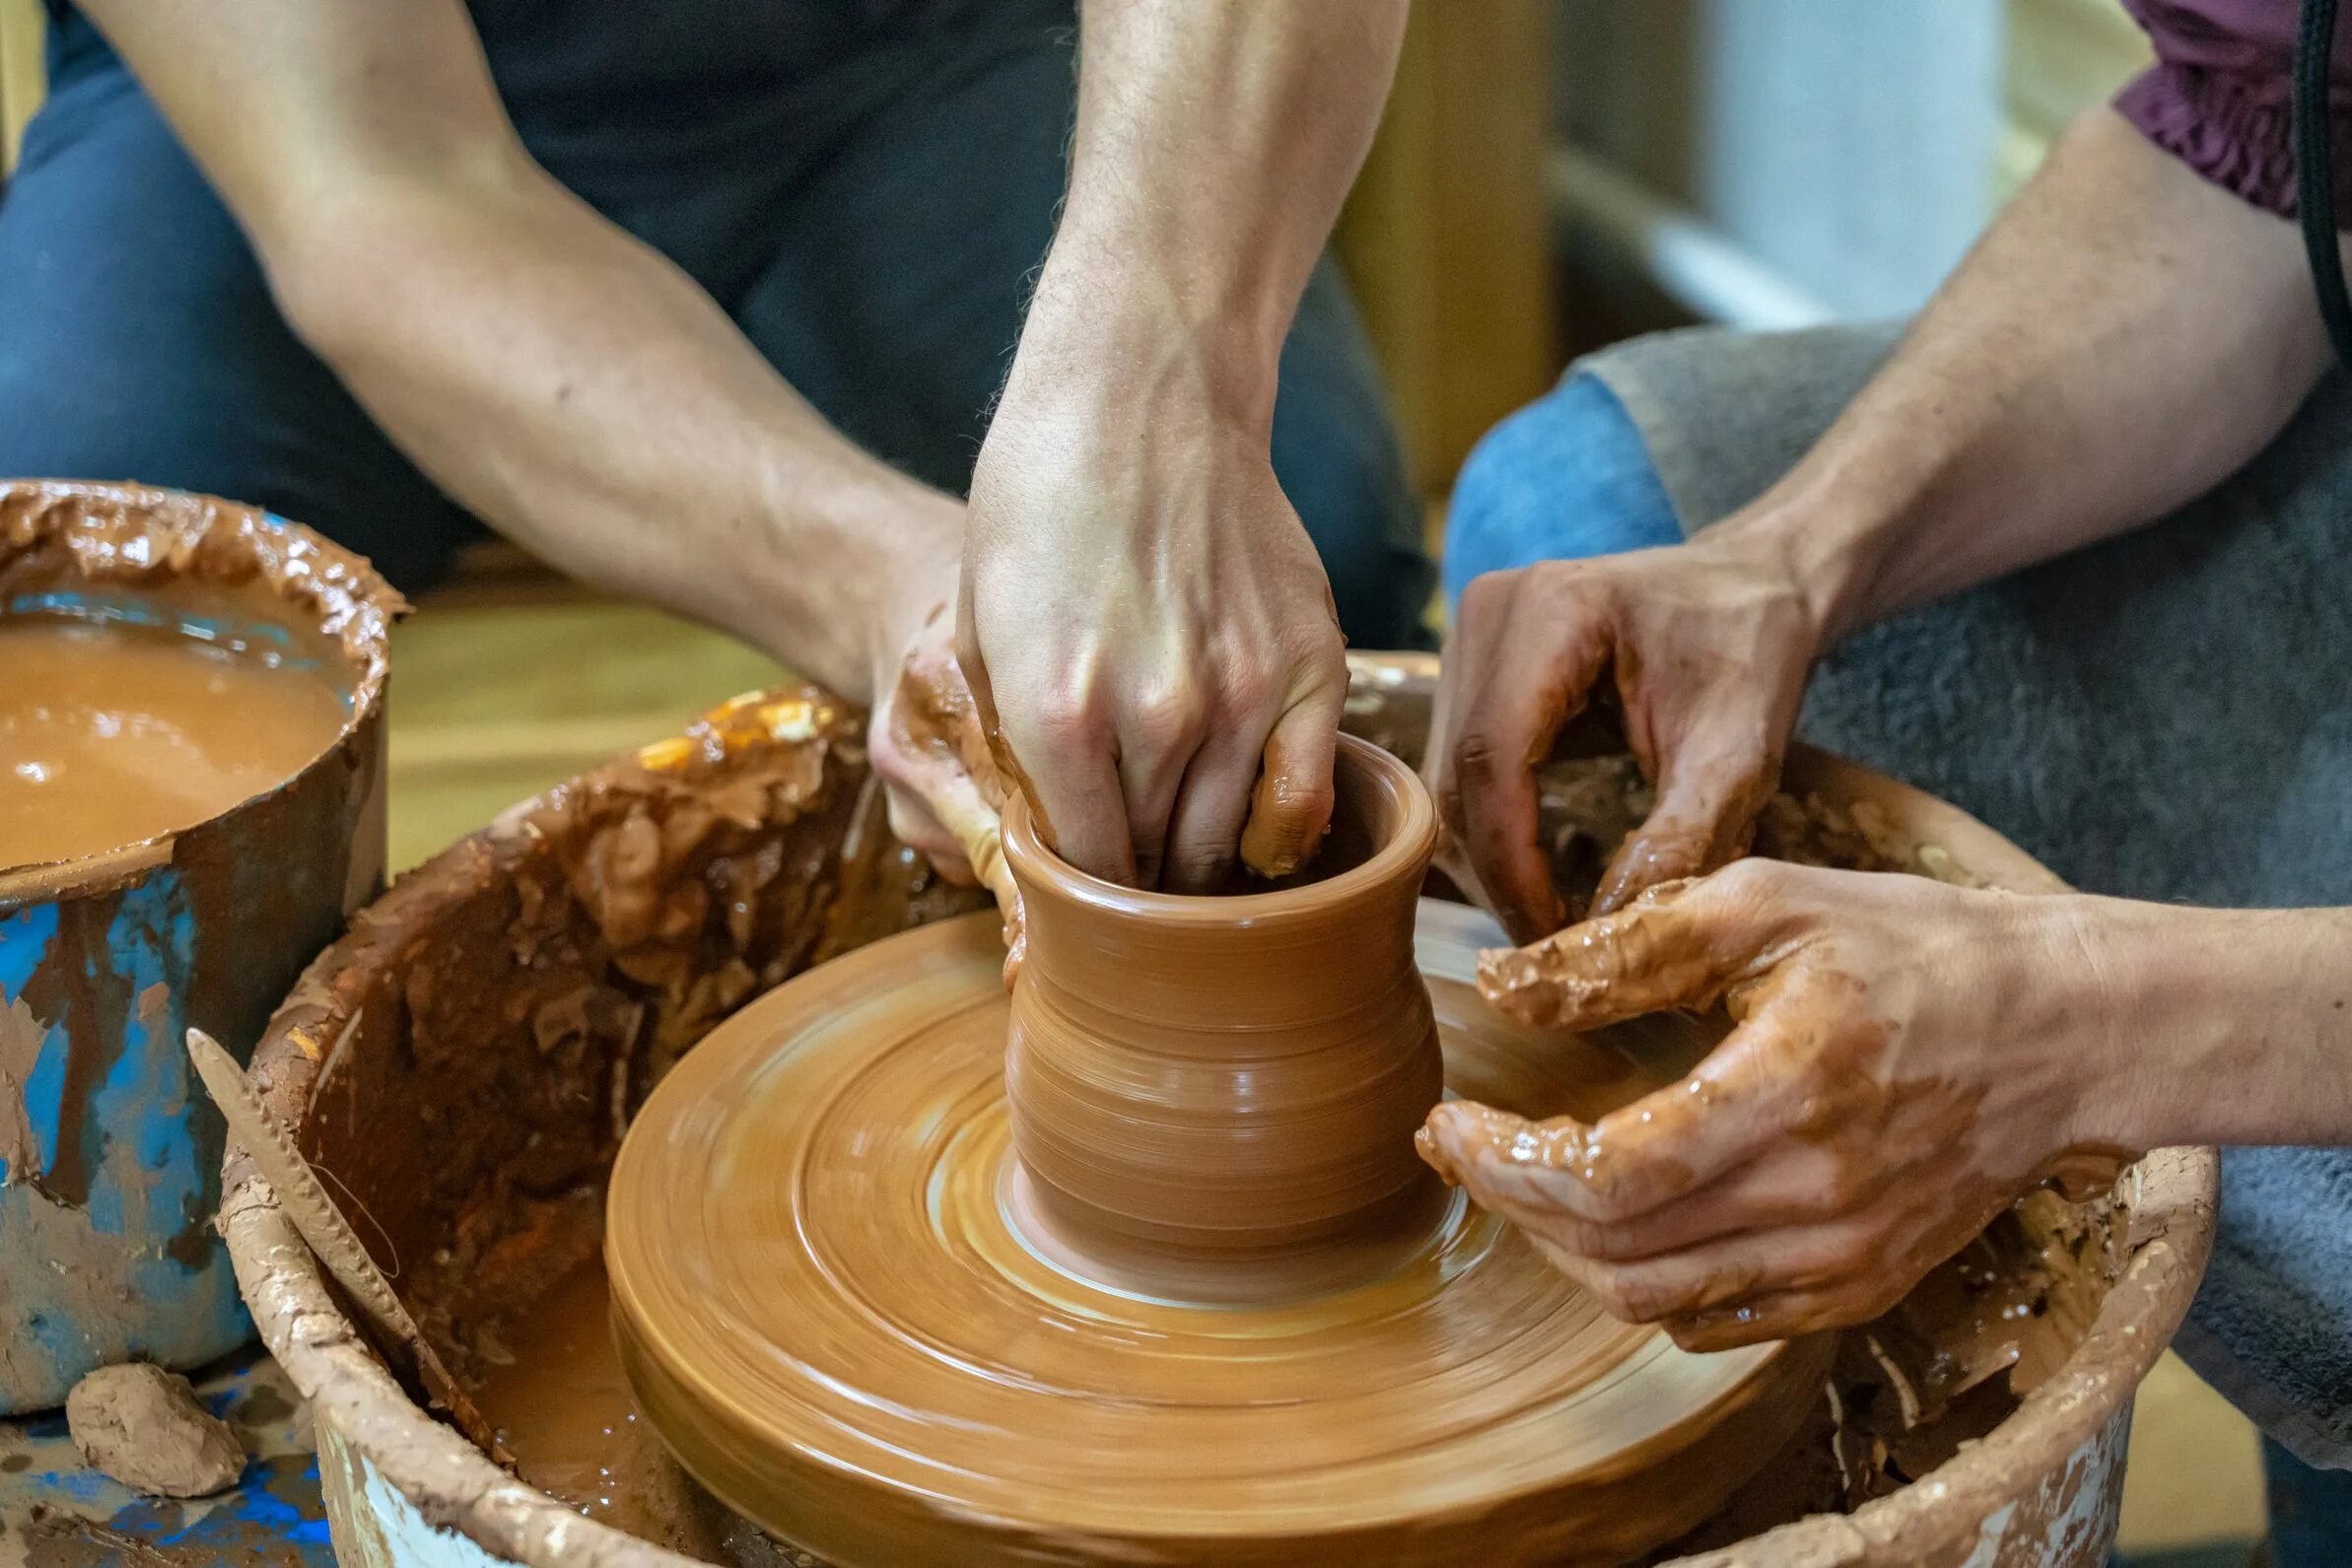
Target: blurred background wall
point(1555, 174)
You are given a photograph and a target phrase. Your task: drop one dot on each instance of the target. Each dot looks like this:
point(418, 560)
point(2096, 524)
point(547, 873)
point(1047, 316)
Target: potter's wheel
point(838, 1310)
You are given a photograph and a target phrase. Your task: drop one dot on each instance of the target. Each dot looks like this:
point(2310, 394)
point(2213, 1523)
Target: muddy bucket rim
point(189, 534)
point(2171, 1196)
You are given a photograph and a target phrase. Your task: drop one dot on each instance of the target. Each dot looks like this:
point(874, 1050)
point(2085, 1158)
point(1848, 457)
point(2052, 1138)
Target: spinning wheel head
point(838, 1311)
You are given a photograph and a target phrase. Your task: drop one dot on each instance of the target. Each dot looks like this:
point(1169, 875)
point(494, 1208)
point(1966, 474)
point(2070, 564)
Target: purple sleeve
point(2220, 96)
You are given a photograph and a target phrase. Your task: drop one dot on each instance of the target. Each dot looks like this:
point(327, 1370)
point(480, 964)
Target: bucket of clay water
point(191, 803)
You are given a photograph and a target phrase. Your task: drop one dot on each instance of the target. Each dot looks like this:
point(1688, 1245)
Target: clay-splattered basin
point(108, 1162)
point(466, 1058)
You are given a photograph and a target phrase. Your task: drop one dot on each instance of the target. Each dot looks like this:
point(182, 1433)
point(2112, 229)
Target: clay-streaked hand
point(1148, 627)
point(1908, 1060)
point(1708, 645)
point(933, 756)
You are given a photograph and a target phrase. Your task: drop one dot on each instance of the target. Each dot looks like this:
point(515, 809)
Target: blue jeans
point(1564, 478)
point(2310, 1512)
point(866, 190)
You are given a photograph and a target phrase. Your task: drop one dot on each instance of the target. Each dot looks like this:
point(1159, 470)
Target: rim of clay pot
point(131, 537)
point(2171, 1194)
point(1404, 854)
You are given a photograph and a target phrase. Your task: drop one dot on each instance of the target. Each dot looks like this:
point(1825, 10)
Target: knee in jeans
point(1366, 528)
point(1566, 477)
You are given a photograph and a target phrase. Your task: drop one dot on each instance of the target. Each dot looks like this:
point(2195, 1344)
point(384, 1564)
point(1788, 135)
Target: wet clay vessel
point(1213, 1081)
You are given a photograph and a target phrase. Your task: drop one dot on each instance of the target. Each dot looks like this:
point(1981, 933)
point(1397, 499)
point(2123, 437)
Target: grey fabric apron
point(2165, 716)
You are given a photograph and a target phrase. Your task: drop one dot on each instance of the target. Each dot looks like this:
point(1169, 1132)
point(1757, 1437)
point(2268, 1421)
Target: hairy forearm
point(579, 394)
point(2218, 1026)
point(1215, 142)
point(2124, 337)
point(567, 383)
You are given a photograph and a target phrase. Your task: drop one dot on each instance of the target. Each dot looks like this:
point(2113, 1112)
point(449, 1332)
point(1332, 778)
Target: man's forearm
point(579, 392)
point(2223, 1026)
point(1215, 142)
point(567, 383)
point(2124, 337)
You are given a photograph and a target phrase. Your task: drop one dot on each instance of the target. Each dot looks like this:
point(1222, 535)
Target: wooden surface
point(493, 703)
point(1447, 237)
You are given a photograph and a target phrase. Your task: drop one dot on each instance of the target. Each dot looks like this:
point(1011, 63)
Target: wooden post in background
point(22, 76)
point(1447, 237)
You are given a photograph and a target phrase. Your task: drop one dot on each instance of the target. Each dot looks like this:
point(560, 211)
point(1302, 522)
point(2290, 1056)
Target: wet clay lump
point(111, 734)
point(837, 1309)
point(143, 1426)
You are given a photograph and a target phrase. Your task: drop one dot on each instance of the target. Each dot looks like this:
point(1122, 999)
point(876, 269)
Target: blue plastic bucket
point(110, 1151)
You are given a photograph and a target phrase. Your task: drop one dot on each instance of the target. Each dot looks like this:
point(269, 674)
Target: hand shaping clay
point(142, 1425)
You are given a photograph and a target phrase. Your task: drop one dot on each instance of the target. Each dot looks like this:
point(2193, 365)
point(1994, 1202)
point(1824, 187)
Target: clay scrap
point(142, 1426)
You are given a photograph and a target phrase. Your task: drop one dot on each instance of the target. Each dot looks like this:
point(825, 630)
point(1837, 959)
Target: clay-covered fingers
point(1158, 739)
point(1704, 646)
point(972, 827)
point(942, 787)
point(1290, 802)
point(1771, 1236)
point(1069, 758)
point(1805, 1279)
point(1796, 1185)
point(1527, 649)
point(1659, 1151)
point(1159, 770)
point(1710, 784)
point(1681, 944)
point(1828, 1276)
point(1685, 945)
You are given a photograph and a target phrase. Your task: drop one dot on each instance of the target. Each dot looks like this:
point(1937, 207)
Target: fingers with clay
point(942, 787)
point(1895, 1076)
point(1705, 648)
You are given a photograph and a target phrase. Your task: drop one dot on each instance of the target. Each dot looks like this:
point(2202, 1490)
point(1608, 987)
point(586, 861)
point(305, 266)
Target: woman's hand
point(1709, 645)
point(1908, 1060)
point(1152, 638)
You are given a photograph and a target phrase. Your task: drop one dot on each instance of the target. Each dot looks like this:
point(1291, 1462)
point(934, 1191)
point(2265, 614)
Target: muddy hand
point(944, 791)
point(1908, 1060)
point(1709, 645)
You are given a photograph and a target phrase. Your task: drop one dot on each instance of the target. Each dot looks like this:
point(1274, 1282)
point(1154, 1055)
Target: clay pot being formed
point(1220, 1078)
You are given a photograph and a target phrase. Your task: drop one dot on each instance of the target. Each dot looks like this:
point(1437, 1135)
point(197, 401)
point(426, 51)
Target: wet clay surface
point(1225, 1081)
point(835, 1307)
point(111, 735)
point(565, 1408)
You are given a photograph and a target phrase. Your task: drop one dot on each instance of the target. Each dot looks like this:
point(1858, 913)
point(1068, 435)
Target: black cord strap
point(2315, 169)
